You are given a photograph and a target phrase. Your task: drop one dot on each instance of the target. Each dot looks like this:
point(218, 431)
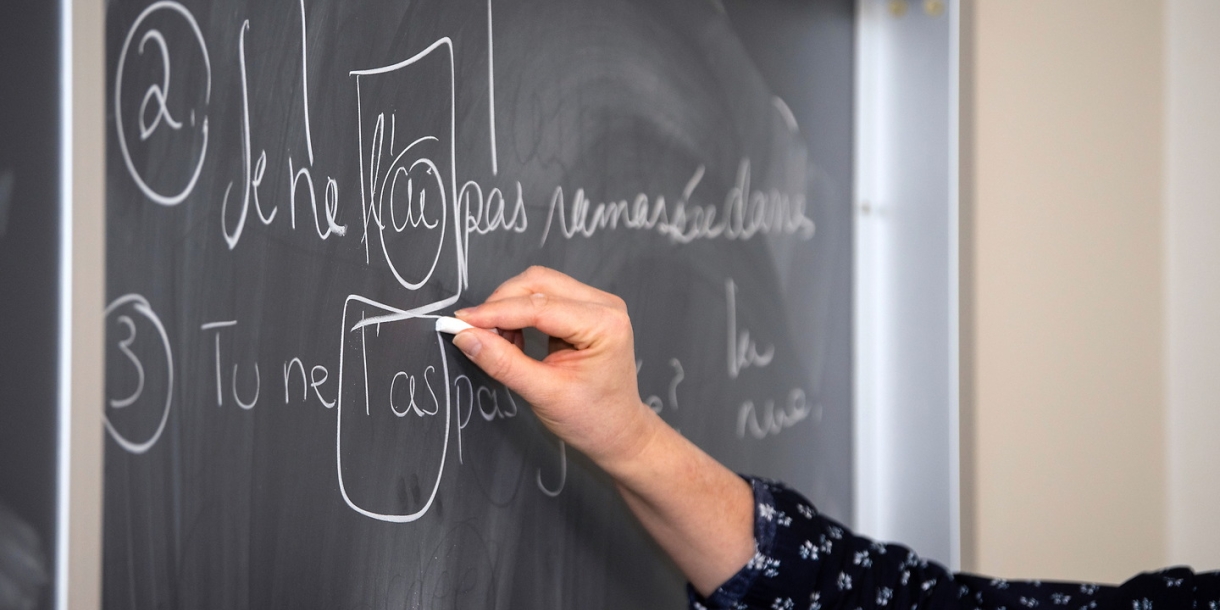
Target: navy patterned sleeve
point(806, 561)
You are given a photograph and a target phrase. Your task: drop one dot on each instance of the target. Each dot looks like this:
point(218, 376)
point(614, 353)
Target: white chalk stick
point(452, 326)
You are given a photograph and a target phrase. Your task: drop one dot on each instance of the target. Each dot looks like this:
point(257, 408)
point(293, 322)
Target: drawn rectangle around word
point(394, 416)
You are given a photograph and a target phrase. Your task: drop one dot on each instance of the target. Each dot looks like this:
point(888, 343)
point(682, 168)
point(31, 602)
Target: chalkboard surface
point(30, 175)
point(295, 187)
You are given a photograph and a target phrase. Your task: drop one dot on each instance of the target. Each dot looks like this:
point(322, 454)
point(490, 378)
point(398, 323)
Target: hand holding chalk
point(452, 326)
point(585, 390)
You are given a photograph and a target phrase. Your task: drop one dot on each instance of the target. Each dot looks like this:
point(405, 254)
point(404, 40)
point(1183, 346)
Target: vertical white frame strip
point(866, 477)
point(63, 495)
point(955, 408)
point(907, 470)
point(81, 300)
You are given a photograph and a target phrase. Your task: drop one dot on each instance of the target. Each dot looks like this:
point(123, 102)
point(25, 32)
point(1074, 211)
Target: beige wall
point(1064, 401)
point(1192, 277)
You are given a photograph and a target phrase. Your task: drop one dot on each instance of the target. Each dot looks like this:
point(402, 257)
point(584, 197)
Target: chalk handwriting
point(155, 91)
point(491, 98)
point(331, 195)
point(305, 82)
point(315, 382)
point(410, 200)
point(786, 114)
point(288, 374)
point(488, 214)
point(258, 382)
point(330, 211)
point(139, 306)
point(743, 351)
point(481, 399)
point(746, 213)
point(772, 420)
point(412, 406)
point(252, 180)
point(654, 401)
point(317, 377)
point(563, 473)
point(441, 404)
point(158, 93)
point(125, 347)
point(376, 180)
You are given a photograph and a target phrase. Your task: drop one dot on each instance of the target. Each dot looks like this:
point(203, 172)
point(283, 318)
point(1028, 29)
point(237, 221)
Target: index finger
point(577, 322)
point(542, 280)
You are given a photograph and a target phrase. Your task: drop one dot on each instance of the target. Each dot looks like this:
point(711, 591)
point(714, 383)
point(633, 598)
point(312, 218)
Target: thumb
point(500, 359)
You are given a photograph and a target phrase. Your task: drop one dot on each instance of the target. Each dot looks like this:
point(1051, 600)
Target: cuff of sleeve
point(730, 594)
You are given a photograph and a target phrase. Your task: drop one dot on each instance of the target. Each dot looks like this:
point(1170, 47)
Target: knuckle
point(618, 322)
point(539, 301)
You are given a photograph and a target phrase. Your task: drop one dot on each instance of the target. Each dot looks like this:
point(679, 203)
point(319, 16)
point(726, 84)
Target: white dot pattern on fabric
point(812, 557)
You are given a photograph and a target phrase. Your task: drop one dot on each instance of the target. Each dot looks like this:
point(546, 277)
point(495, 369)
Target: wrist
point(637, 446)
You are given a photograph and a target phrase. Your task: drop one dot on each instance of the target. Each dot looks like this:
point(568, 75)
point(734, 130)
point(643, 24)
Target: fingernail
point(468, 343)
point(461, 313)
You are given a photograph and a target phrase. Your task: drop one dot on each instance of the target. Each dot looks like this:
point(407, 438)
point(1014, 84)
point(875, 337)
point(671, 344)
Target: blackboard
point(30, 178)
point(294, 187)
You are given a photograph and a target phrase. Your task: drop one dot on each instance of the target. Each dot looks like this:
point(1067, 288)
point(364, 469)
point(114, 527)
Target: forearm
point(585, 392)
point(701, 513)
